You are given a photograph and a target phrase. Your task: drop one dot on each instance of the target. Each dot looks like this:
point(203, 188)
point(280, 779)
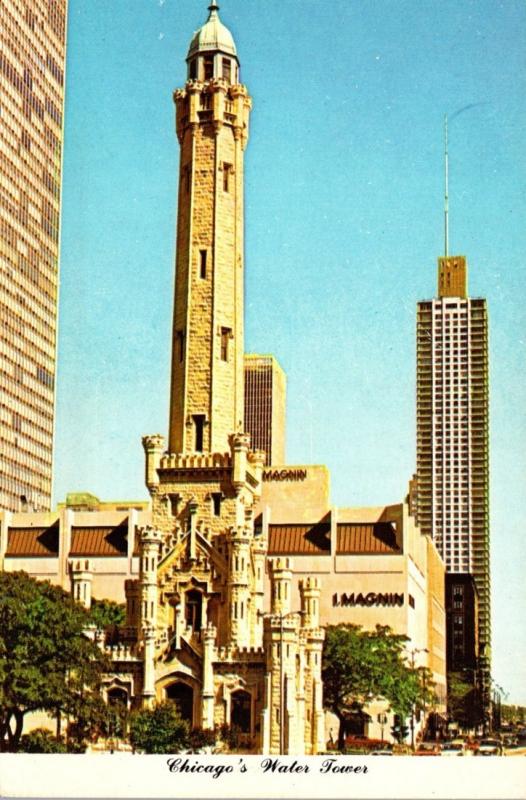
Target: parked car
point(428, 749)
point(490, 747)
point(455, 748)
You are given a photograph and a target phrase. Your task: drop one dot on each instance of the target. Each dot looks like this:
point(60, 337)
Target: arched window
point(193, 609)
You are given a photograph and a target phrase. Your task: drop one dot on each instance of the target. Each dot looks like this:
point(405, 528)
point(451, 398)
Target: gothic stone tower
point(213, 110)
point(197, 607)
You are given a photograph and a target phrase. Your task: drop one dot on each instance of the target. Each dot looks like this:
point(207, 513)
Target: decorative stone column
point(148, 688)
point(209, 638)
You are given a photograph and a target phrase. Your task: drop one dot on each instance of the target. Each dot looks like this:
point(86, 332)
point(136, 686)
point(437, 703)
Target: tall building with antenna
point(32, 63)
point(452, 442)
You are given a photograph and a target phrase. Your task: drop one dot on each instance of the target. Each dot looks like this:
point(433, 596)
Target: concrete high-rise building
point(265, 406)
point(452, 433)
point(32, 59)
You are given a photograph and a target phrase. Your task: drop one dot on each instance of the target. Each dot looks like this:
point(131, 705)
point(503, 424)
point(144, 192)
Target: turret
point(280, 570)
point(81, 572)
point(239, 587)
point(153, 449)
point(310, 591)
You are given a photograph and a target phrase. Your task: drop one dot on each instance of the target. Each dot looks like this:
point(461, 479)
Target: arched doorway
point(193, 609)
point(183, 696)
point(241, 711)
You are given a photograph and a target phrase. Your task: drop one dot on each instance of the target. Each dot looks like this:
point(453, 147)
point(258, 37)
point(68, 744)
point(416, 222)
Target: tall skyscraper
point(452, 436)
point(265, 399)
point(32, 59)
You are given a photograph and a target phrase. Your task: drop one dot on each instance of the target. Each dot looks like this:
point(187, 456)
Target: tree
point(360, 666)
point(464, 699)
point(159, 729)
point(46, 661)
point(106, 613)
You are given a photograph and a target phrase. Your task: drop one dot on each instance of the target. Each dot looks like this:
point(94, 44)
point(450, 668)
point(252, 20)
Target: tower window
point(227, 69)
point(199, 424)
point(180, 345)
point(202, 263)
point(227, 169)
point(192, 74)
point(208, 64)
point(216, 503)
point(174, 504)
point(226, 334)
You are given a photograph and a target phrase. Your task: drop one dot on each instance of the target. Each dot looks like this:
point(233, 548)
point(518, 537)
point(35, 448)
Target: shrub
point(159, 729)
point(41, 741)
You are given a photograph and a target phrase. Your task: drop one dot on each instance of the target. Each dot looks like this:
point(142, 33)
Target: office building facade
point(32, 63)
point(265, 406)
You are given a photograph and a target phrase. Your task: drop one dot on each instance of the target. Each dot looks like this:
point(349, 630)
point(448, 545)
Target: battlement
point(153, 442)
point(195, 461)
point(81, 565)
point(243, 654)
point(281, 563)
point(311, 582)
point(149, 535)
point(121, 652)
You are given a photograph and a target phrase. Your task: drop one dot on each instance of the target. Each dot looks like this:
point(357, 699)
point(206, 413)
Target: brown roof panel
point(33, 542)
point(299, 539)
point(99, 541)
point(377, 537)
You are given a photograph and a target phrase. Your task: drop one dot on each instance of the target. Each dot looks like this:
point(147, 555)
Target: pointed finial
point(213, 7)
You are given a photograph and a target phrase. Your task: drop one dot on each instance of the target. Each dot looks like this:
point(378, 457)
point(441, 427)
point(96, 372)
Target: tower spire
point(446, 190)
point(213, 8)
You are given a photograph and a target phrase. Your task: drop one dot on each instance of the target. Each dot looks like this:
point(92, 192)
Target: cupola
point(212, 52)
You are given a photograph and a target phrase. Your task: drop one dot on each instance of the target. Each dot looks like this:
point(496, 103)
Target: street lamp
point(282, 617)
point(412, 653)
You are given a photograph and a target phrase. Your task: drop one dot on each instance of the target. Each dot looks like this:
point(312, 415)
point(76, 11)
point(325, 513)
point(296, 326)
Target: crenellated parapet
point(193, 461)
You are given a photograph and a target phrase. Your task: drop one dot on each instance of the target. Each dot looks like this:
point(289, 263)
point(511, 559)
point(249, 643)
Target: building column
point(209, 638)
point(148, 686)
point(150, 543)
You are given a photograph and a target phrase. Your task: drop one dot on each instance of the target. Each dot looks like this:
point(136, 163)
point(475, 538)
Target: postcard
point(263, 373)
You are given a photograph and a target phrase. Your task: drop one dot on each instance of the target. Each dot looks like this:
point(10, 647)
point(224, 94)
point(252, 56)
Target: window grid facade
point(452, 439)
point(32, 58)
point(265, 406)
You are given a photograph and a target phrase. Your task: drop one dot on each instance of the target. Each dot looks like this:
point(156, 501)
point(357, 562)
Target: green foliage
point(399, 730)
point(41, 740)
point(199, 738)
point(159, 730)
point(360, 666)
point(463, 699)
point(46, 662)
point(230, 735)
point(105, 613)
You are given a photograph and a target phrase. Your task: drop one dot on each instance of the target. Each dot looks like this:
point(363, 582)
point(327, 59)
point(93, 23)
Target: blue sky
point(344, 197)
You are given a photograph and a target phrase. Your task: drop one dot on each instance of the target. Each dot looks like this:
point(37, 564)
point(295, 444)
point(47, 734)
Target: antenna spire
point(446, 190)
